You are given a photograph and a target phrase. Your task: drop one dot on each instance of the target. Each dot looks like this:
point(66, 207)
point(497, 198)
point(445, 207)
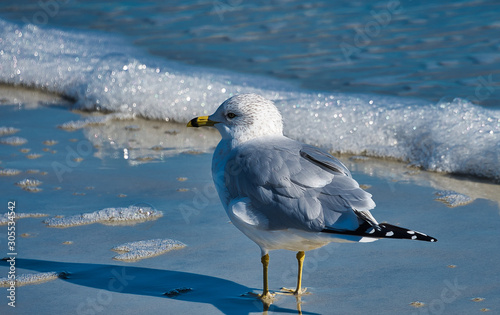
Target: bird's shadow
point(224, 294)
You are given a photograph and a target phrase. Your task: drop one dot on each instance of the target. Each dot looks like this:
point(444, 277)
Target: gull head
point(243, 117)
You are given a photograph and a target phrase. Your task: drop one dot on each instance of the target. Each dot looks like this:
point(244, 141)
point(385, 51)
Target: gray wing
point(324, 160)
point(295, 185)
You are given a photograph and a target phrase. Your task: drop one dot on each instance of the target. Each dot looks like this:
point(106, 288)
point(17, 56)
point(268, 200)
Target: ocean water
point(397, 79)
point(433, 50)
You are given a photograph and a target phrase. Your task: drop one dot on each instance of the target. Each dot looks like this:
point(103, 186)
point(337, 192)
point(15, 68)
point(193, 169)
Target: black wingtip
point(393, 231)
point(385, 230)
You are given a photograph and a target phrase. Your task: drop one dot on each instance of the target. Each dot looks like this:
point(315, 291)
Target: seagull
point(284, 194)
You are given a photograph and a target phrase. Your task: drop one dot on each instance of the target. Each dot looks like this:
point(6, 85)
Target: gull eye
point(231, 115)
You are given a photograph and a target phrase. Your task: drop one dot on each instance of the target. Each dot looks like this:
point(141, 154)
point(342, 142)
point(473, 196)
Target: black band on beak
point(194, 122)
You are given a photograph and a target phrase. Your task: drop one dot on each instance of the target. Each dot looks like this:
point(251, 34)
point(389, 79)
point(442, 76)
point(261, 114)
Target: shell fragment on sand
point(178, 291)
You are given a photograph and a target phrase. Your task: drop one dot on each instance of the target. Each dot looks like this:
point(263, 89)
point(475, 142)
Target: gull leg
point(300, 259)
point(265, 264)
point(266, 297)
point(298, 291)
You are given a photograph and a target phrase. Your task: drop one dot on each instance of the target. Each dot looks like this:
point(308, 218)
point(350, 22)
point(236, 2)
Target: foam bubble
point(109, 216)
point(9, 172)
point(29, 182)
point(7, 130)
point(33, 156)
point(4, 219)
point(13, 140)
point(134, 251)
point(30, 278)
point(452, 198)
point(50, 142)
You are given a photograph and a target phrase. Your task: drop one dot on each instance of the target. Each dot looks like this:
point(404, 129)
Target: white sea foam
point(452, 198)
point(30, 184)
point(30, 278)
point(5, 218)
point(102, 72)
point(9, 172)
point(110, 216)
point(7, 130)
point(134, 251)
point(13, 140)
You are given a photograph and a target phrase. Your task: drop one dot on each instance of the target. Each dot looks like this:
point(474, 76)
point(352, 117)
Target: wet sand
point(124, 161)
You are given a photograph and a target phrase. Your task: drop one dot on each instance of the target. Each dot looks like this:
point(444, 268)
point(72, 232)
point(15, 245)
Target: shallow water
point(219, 263)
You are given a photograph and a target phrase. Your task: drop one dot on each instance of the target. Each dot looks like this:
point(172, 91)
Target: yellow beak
point(201, 121)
